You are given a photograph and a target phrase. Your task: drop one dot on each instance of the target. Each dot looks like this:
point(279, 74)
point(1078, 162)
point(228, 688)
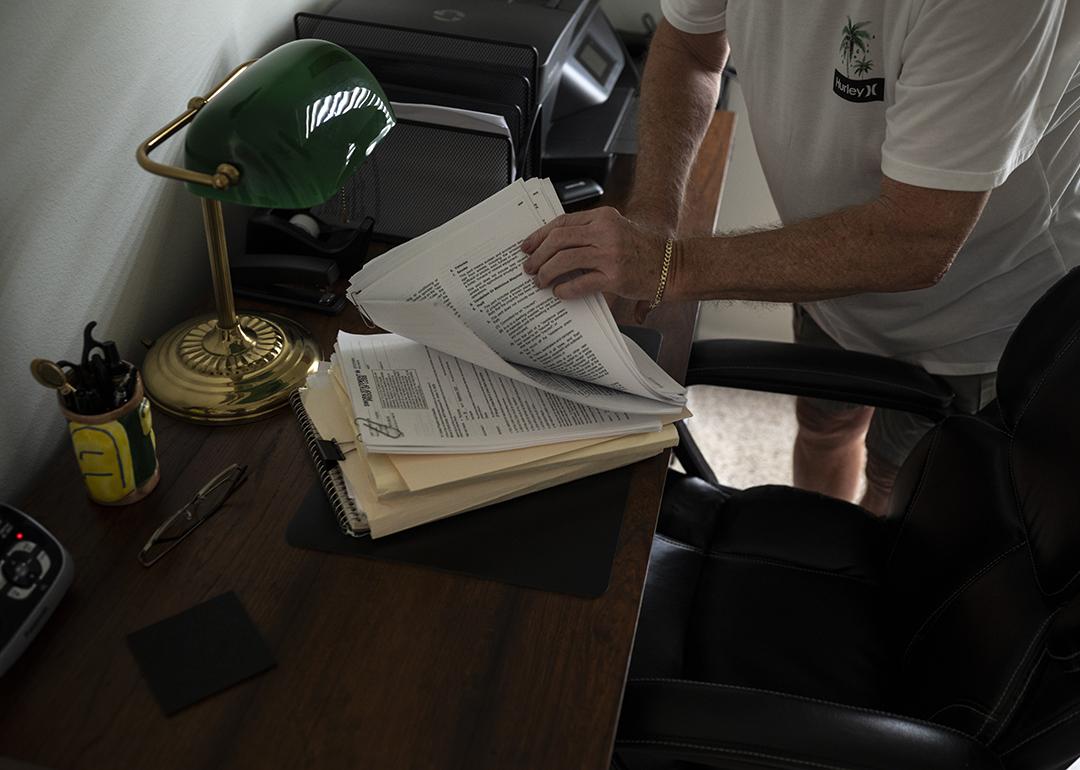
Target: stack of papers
point(486, 386)
point(386, 493)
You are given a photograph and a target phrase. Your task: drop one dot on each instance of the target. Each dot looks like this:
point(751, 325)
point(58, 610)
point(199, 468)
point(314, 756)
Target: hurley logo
point(855, 57)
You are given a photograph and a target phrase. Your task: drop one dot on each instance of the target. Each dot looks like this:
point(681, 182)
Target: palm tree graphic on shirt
point(855, 41)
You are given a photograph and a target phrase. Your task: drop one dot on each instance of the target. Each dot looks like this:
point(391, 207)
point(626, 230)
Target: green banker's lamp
point(283, 131)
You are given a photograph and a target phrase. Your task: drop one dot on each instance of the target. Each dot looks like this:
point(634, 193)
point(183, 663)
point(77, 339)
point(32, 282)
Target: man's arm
point(679, 89)
point(904, 239)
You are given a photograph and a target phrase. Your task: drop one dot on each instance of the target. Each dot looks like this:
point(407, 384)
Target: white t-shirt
point(948, 94)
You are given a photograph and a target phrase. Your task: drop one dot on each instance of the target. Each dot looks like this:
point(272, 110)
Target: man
point(924, 156)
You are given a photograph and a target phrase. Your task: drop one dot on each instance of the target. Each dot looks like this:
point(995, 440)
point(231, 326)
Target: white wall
point(86, 234)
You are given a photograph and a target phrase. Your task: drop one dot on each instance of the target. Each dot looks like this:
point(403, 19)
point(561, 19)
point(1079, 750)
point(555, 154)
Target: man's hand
point(595, 250)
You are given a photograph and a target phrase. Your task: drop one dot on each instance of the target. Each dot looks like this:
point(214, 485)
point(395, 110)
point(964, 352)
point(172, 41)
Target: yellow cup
point(116, 451)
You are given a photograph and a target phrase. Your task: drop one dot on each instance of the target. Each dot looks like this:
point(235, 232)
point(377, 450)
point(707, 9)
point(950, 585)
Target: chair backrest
point(984, 568)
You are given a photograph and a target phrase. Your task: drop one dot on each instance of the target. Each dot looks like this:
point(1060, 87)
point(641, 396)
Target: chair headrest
point(1045, 344)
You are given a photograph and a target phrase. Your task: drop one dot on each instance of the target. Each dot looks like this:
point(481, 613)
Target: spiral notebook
point(326, 455)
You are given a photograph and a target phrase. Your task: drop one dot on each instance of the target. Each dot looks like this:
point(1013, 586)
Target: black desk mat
point(560, 539)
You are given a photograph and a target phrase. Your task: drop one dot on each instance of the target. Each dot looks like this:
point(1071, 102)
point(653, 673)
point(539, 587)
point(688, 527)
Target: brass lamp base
point(202, 373)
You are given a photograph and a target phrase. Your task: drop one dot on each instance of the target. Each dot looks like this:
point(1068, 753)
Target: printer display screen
point(594, 60)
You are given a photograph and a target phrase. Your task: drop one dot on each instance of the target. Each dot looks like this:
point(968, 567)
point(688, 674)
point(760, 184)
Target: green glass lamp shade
point(296, 124)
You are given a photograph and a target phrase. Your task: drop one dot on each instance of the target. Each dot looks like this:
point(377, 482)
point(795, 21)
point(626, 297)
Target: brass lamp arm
point(226, 173)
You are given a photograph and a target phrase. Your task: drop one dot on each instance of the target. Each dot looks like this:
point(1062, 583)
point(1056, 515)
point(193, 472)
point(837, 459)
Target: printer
point(554, 71)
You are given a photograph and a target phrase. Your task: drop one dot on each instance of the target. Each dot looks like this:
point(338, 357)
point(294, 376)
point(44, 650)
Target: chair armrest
point(806, 370)
point(738, 727)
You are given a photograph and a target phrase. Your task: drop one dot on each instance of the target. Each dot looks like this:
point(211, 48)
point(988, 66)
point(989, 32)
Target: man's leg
point(829, 450)
point(829, 447)
point(837, 441)
point(829, 453)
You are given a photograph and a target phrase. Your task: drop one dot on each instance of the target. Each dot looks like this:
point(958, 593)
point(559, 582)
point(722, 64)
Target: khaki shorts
point(892, 434)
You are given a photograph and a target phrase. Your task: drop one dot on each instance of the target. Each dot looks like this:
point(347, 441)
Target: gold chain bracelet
point(663, 274)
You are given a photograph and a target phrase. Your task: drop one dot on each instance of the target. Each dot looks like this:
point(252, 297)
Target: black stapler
point(290, 279)
point(293, 259)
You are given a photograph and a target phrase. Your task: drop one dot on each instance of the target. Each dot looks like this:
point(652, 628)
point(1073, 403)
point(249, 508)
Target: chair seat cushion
point(783, 595)
point(788, 599)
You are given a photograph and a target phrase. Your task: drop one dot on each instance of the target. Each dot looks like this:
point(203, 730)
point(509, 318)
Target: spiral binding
point(352, 520)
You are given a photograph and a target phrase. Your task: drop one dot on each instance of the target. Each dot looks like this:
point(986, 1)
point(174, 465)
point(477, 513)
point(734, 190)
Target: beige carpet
point(746, 436)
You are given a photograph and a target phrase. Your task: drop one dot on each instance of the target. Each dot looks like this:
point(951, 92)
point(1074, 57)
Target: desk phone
point(35, 573)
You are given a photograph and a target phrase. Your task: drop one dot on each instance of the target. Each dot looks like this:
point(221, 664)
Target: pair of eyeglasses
point(205, 504)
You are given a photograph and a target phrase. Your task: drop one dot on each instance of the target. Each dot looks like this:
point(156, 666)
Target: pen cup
point(116, 450)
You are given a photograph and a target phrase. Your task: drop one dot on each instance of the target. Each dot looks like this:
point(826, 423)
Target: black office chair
point(786, 629)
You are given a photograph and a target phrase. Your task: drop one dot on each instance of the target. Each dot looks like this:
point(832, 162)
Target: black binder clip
point(329, 451)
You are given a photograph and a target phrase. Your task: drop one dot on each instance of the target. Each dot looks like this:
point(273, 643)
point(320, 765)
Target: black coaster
point(199, 652)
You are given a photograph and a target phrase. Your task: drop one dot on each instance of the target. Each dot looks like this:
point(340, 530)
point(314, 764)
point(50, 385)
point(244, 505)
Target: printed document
point(410, 398)
point(460, 290)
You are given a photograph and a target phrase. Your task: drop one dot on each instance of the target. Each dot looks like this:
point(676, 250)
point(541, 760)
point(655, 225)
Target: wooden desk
point(380, 665)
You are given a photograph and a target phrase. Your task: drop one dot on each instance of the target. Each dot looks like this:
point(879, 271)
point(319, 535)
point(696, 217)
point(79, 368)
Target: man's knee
point(829, 422)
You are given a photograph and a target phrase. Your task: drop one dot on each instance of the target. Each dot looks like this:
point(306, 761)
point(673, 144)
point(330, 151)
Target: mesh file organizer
point(422, 175)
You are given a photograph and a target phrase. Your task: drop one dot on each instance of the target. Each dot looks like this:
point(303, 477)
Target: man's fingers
point(581, 286)
point(563, 220)
point(537, 237)
point(566, 237)
point(565, 261)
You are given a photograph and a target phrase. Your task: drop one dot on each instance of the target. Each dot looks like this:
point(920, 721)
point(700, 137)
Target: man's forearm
point(867, 248)
point(679, 90)
point(904, 239)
